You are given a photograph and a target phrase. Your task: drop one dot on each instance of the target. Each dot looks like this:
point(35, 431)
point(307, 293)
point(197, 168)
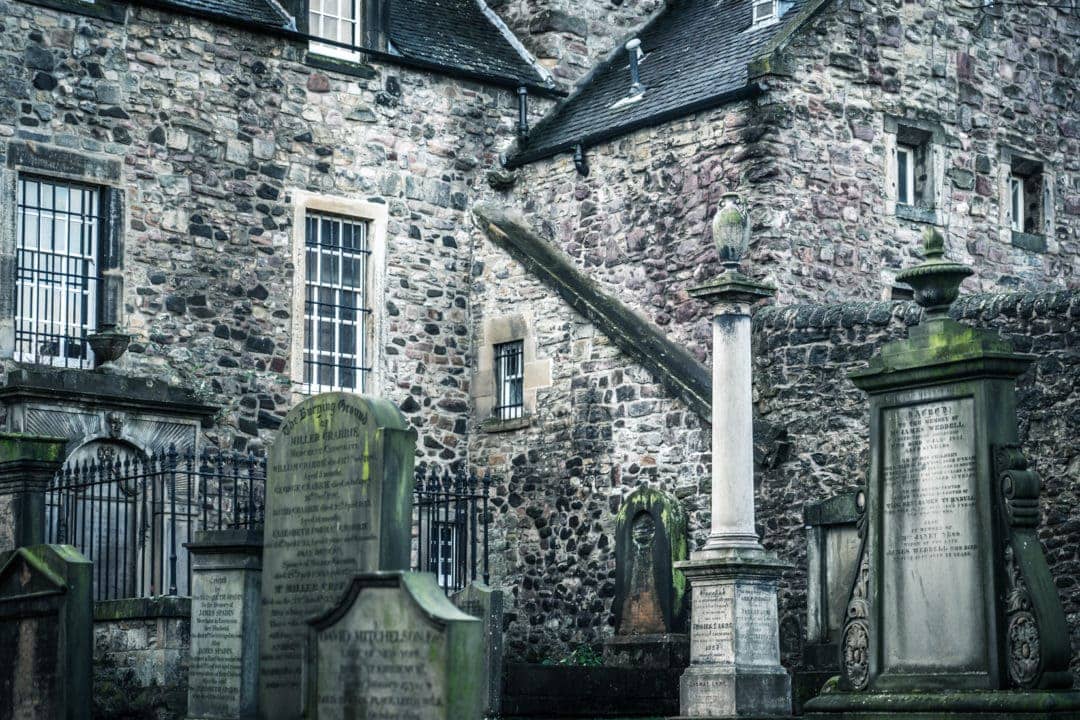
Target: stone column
point(226, 567)
point(734, 630)
point(27, 466)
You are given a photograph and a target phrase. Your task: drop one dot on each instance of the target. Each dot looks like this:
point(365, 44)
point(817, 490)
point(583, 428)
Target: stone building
point(192, 173)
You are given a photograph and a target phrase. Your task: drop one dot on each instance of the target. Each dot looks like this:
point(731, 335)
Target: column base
point(733, 692)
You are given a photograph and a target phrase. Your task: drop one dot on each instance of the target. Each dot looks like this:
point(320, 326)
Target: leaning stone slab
point(46, 633)
point(395, 647)
point(338, 503)
point(486, 604)
point(223, 675)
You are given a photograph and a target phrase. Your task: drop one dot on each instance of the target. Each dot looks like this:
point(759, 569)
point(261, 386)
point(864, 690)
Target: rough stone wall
point(570, 36)
point(602, 428)
point(989, 77)
point(216, 127)
point(802, 356)
point(141, 667)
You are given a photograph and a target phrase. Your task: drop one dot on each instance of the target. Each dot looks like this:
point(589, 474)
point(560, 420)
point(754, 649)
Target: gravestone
point(338, 503)
point(395, 648)
point(486, 604)
point(226, 575)
point(650, 604)
point(46, 633)
point(953, 608)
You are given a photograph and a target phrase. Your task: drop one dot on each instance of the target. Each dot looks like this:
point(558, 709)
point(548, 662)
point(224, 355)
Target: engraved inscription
point(756, 625)
point(932, 578)
point(712, 624)
point(216, 646)
point(321, 529)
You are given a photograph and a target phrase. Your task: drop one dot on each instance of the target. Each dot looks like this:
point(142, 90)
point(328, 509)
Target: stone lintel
point(732, 287)
point(236, 549)
point(840, 509)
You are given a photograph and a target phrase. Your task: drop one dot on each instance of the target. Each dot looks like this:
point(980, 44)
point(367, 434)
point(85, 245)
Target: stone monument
point(954, 609)
point(486, 604)
point(338, 503)
point(225, 578)
point(734, 635)
point(650, 593)
point(394, 647)
point(46, 633)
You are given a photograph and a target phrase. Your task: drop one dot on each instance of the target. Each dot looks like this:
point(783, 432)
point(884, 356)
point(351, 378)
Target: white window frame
point(772, 15)
point(507, 378)
point(905, 180)
point(346, 27)
point(48, 300)
point(375, 216)
point(1016, 202)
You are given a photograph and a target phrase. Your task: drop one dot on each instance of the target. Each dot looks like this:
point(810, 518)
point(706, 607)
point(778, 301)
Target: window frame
point(773, 16)
point(1017, 208)
point(905, 179)
point(90, 294)
point(376, 215)
point(509, 388)
point(355, 21)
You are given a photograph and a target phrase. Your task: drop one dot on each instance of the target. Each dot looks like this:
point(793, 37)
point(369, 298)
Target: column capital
point(28, 462)
point(732, 288)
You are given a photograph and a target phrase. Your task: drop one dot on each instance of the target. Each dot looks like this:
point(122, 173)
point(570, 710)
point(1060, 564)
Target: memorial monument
point(953, 609)
point(485, 603)
point(650, 603)
point(338, 503)
point(394, 648)
point(734, 634)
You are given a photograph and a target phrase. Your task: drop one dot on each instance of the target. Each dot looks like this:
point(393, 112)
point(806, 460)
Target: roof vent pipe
point(523, 114)
point(633, 48)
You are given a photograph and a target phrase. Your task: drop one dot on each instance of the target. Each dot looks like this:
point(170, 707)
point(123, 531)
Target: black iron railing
point(451, 519)
point(130, 514)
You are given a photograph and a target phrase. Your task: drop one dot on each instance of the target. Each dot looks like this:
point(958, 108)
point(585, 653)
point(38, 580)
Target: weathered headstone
point(395, 648)
point(650, 593)
point(46, 633)
point(953, 592)
point(338, 503)
point(486, 604)
point(226, 575)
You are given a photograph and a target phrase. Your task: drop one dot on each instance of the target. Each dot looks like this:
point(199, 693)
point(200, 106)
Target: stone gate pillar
point(27, 466)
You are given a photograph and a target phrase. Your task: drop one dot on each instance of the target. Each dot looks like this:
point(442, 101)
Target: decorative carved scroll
point(855, 642)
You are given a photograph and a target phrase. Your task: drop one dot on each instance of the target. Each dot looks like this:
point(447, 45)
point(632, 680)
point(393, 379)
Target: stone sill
point(100, 9)
point(338, 65)
point(1029, 241)
point(914, 213)
point(164, 606)
point(494, 425)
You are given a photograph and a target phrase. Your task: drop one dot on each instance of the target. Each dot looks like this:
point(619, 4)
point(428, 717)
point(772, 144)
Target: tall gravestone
point(953, 609)
point(395, 648)
point(46, 633)
point(338, 503)
point(650, 604)
point(486, 604)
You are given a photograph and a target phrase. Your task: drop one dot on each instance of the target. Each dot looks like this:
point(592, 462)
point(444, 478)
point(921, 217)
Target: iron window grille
point(509, 380)
point(56, 280)
point(336, 305)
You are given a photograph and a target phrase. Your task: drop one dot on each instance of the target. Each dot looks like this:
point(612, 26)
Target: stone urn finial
point(731, 231)
point(936, 281)
point(108, 345)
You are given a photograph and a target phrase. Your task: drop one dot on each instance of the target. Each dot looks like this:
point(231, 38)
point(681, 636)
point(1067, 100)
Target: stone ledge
point(100, 9)
point(1029, 241)
point(339, 65)
point(914, 213)
point(163, 606)
point(494, 425)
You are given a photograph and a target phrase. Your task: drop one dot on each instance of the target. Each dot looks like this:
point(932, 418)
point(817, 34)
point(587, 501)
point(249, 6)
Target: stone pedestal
point(735, 666)
point(654, 652)
point(226, 575)
point(27, 466)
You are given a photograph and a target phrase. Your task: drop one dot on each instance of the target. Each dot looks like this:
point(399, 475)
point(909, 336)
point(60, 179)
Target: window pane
point(902, 190)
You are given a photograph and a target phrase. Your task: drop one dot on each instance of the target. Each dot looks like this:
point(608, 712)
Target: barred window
point(337, 308)
point(56, 278)
point(509, 380)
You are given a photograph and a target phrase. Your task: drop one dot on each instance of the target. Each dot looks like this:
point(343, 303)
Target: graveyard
point(332, 594)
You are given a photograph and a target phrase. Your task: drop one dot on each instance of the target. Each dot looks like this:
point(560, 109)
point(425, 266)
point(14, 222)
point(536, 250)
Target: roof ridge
point(516, 43)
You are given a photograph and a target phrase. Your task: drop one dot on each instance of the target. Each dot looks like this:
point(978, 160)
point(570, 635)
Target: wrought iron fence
point(130, 514)
point(451, 517)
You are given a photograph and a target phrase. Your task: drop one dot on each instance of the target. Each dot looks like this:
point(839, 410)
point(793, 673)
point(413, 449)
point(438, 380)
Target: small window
point(905, 174)
point(334, 20)
point(1026, 190)
point(764, 11)
point(56, 276)
point(509, 380)
point(337, 307)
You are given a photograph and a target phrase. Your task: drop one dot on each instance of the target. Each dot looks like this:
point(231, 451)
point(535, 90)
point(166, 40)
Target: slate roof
point(696, 55)
point(449, 35)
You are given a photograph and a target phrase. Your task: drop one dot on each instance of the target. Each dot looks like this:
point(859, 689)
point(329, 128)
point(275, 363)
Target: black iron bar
point(487, 484)
point(172, 519)
point(155, 564)
point(189, 457)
